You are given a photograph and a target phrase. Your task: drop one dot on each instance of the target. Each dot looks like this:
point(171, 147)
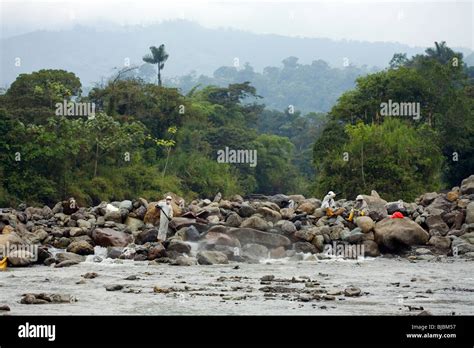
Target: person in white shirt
point(165, 217)
point(330, 205)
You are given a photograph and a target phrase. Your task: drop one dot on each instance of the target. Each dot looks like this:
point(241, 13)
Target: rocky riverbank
point(204, 232)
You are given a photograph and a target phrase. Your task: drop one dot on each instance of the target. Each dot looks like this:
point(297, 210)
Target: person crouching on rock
point(165, 217)
point(330, 205)
point(360, 208)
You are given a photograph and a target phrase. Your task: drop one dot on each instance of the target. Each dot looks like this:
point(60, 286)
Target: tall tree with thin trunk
point(158, 56)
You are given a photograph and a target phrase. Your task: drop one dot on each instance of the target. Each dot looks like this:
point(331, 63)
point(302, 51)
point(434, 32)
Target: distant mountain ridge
point(92, 54)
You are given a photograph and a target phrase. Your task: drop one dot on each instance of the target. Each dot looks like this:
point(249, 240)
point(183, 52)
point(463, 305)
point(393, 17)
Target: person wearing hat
point(360, 208)
point(165, 217)
point(329, 205)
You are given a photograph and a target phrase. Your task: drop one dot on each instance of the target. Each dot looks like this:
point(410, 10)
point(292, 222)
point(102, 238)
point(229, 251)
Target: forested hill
point(313, 87)
point(92, 53)
point(146, 139)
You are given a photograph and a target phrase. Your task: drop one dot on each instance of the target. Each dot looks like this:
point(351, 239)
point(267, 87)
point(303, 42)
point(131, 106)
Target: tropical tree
point(158, 56)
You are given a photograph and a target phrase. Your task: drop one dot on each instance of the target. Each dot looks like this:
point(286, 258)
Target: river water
point(394, 286)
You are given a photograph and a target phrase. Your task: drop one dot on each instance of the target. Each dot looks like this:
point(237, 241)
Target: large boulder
point(126, 204)
point(287, 213)
point(246, 210)
point(183, 260)
point(115, 216)
point(453, 196)
point(307, 207)
point(7, 229)
point(467, 185)
point(318, 242)
point(470, 213)
point(134, 224)
point(365, 223)
point(436, 223)
point(279, 199)
point(249, 235)
point(108, 237)
point(278, 253)
point(305, 247)
point(305, 234)
point(286, 226)
point(10, 239)
point(20, 258)
point(181, 222)
point(376, 207)
point(156, 251)
point(233, 220)
point(439, 205)
point(460, 246)
point(218, 238)
point(255, 222)
point(254, 252)
point(439, 242)
point(393, 207)
point(269, 214)
point(427, 198)
point(191, 234)
point(468, 237)
point(353, 237)
point(149, 235)
point(67, 256)
point(179, 246)
point(371, 248)
point(394, 234)
point(81, 248)
point(208, 257)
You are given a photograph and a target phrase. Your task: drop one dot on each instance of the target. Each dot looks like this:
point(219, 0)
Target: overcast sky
point(417, 23)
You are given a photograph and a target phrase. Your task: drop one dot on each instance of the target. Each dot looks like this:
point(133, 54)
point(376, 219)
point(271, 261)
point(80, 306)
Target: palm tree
point(158, 56)
point(441, 52)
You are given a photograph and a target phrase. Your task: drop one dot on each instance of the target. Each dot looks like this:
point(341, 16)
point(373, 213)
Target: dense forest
point(311, 87)
point(146, 139)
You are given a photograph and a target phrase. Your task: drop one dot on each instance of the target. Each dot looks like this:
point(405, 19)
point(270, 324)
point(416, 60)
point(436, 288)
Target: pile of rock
point(238, 229)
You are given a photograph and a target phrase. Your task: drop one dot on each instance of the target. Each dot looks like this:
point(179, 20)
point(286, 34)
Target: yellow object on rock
point(3, 263)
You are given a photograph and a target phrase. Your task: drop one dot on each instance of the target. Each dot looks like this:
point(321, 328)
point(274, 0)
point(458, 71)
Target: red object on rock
point(397, 215)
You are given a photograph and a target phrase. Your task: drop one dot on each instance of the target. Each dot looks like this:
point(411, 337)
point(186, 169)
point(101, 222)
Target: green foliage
point(146, 139)
point(32, 97)
point(397, 160)
point(439, 81)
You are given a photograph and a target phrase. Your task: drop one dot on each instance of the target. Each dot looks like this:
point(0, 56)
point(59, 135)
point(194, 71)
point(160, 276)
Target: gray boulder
point(108, 237)
point(67, 256)
point(233, 220)
point(81, 248)
point(254, 252)
point(394, 234)
point(436, 223)
point(365, 223)
point(249, 235)
point(256, 223)
point(467, 185)
point(470, 212)
point(209, 257)
point(304, 247)
point(179, 246)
